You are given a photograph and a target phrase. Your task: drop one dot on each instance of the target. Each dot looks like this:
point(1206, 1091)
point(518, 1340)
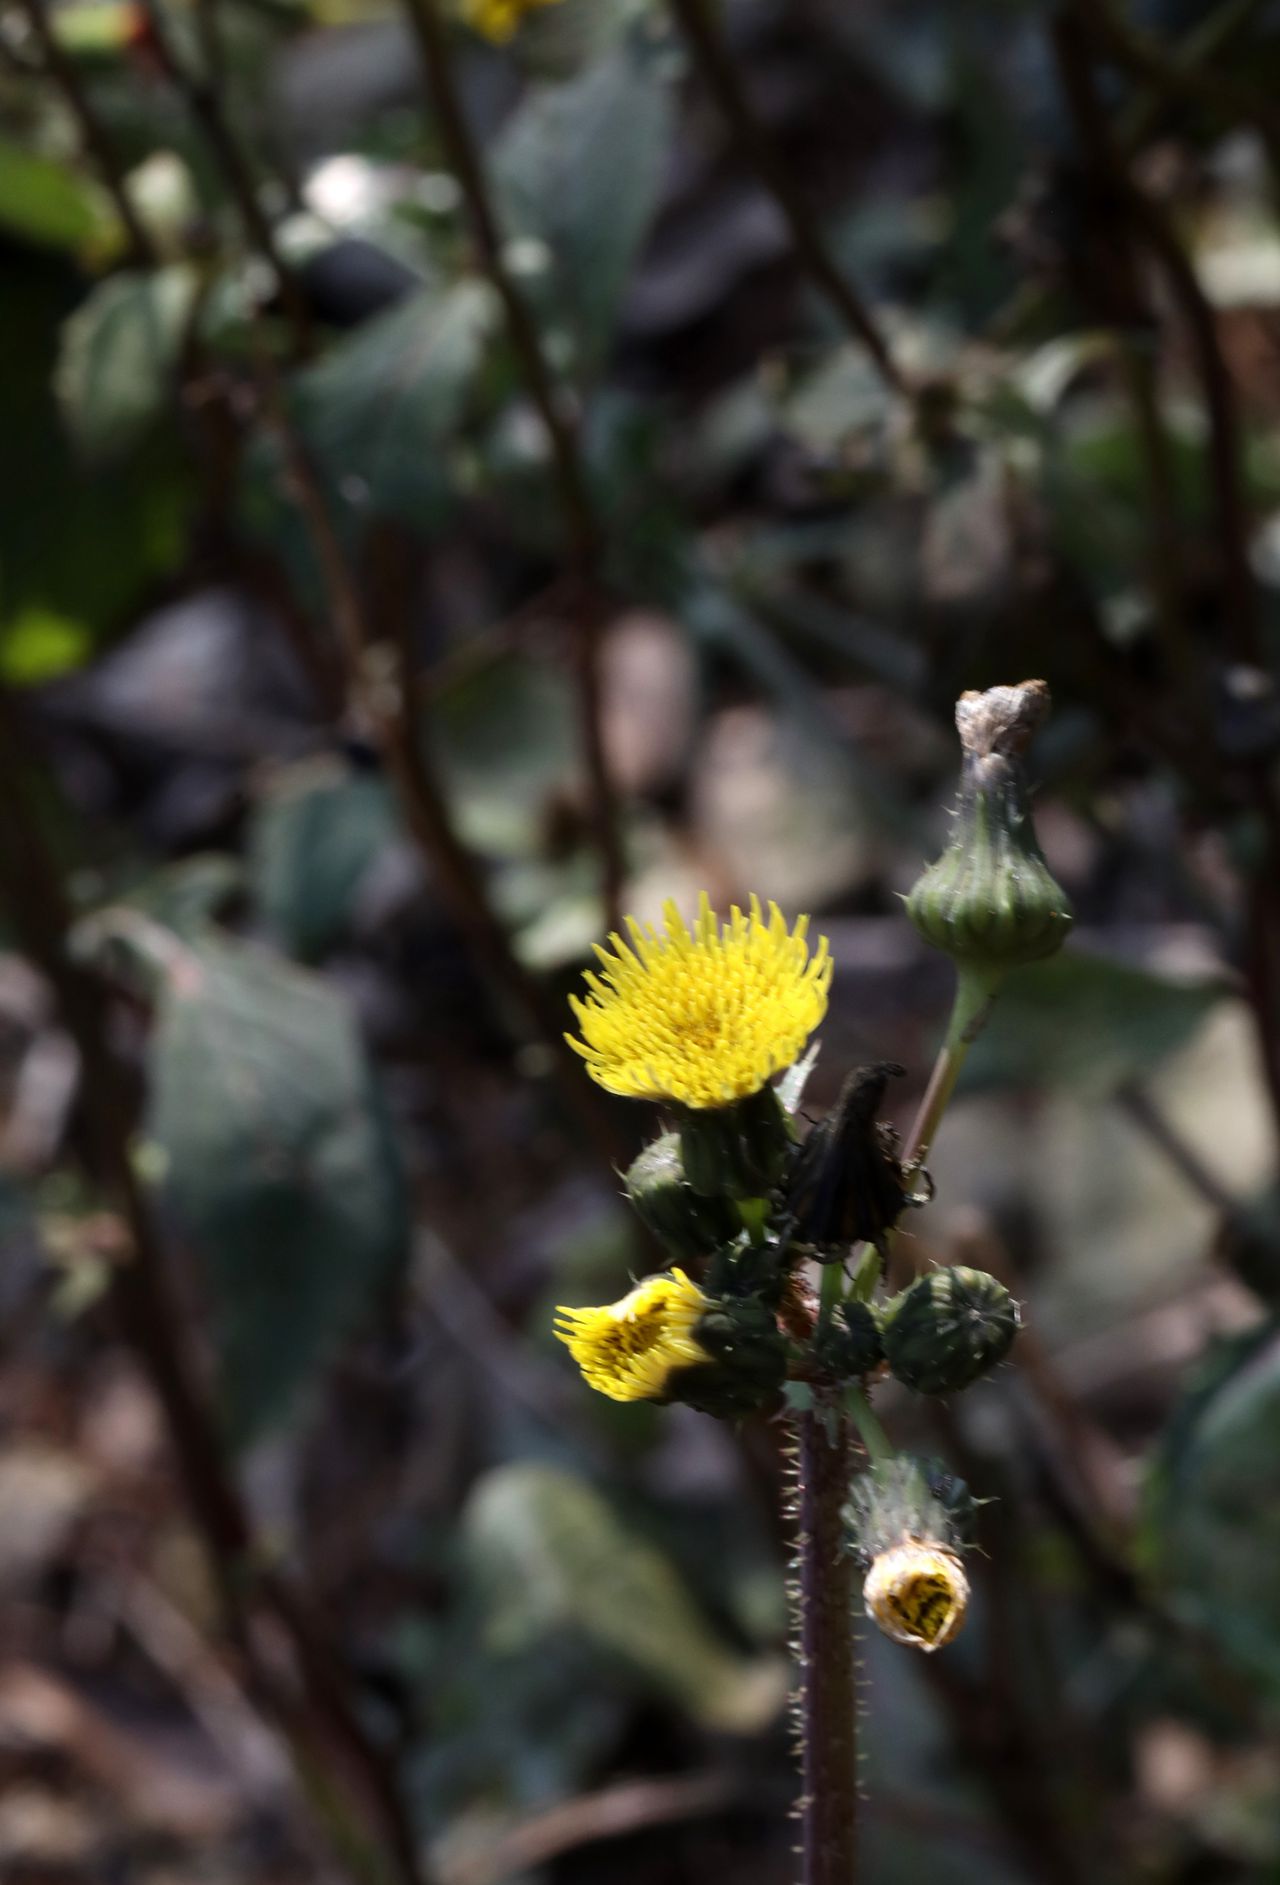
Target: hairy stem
point(826, 1705)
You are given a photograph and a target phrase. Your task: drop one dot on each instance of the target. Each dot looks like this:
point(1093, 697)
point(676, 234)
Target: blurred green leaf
point(119, 353)
point(44, 202)
point(551, 1554)
point(380, 409)
point(278, 1162)
point(578, 169)
point(1087, 1022)
point(77, 548)
point(313, 836)
point(39, 645)
point(1213, 1532)
point(507, 741)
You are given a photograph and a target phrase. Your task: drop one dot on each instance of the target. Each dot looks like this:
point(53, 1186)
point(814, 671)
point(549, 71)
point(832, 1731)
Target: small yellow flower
point(497, 20)
point(629, 1349)
point(918, 1594)
point(703, 1019)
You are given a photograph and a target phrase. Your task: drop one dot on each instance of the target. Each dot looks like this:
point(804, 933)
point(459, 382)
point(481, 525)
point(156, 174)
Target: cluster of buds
point(703, 1020)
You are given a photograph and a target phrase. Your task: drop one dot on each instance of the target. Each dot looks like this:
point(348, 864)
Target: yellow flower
point(629, 1349)
point(918, 1594)
point(703, 1019)
point(498, 19)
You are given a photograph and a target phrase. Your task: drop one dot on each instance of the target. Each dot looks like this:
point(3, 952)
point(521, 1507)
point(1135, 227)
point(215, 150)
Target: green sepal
point(736, 1151)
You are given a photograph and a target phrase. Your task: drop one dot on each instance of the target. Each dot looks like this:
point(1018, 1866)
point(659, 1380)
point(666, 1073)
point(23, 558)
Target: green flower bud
point(748, 1361)
point(736, 1151)
point(848, 1343)
point(949, 1328)
point(990, 901)
point(686, 1224)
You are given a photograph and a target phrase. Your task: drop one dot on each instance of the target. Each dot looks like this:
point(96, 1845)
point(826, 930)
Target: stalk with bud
point(701, 1021)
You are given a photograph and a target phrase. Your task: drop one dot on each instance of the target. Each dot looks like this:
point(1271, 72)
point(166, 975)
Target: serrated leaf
point(1213, 1534)
point(1087, 1022)
point(313, 836)
point(119, 355)
point(279, 1165)
point(379, 410)
point(552, 1555)
point(579, 168)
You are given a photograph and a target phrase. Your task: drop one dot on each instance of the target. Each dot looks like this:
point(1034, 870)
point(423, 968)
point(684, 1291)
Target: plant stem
point(878, 1445)
point(577, 503)
point(826, 1706)
point(976, 990)
point(716, 66)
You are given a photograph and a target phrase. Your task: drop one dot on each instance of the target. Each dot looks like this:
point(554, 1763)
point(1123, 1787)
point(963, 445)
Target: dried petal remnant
point(918, 1594)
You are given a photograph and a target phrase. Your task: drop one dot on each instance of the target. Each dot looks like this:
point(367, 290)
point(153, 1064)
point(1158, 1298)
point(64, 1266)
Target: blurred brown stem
point(319, 1722)
point(203, 99)
point(94, 138)
point(576, 502)
point(720, 74)
point(382, 687)
point(826, 1705)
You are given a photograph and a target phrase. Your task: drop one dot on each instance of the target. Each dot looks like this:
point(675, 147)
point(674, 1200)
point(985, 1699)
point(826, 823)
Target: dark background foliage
point(887, 349)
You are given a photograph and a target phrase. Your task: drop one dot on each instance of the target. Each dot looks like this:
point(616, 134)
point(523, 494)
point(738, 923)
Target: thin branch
point(576, 502)
point(320, 1723)
point(381, 685)
point(1151, 229)
point(1134, 1100)
point(1175, 78)
point(716, 66)
point(203, 100)
point(94, 138)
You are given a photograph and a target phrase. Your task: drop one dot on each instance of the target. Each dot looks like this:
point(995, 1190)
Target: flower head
point(630, 1349)
point(918, 1594)
point(703, 1018)
point(498, 20)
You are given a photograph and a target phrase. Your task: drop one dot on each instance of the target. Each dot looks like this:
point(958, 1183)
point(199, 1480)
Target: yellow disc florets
point(498, 20)
point(703, 1019)
point(918, 1594)
point(630, 1349)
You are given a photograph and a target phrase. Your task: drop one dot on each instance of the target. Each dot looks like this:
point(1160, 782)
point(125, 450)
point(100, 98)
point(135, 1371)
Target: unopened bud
point(747, 1360)
point(685, 1223)
point(947, 1329)
point(990, 901)
point(848, 1343)
point(847, 1184)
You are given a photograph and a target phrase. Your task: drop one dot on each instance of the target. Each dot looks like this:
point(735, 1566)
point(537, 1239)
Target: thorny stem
point(716, 65)
point(576, 501)
point(826, 1705)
